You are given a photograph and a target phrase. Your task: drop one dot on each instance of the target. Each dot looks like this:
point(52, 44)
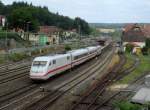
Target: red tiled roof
point(128, 27)
point(49, 29)
point(136, 33)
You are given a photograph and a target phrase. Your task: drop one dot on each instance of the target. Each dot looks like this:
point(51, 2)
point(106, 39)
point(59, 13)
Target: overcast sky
point(98, 11)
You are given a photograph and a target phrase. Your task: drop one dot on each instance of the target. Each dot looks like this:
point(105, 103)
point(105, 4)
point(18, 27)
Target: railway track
point(6, 97)
point(14, 74)
point(126, 93)
point(2, 73)
point(56, 92)
point(111, 99)
point(88, 100)
point(13, 66)
point(14, 77)
point(51, 97)
point(94, 103)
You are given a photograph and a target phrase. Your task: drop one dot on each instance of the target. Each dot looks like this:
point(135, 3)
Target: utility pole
point(28, 29)
point(79, 31)
point(6, 46)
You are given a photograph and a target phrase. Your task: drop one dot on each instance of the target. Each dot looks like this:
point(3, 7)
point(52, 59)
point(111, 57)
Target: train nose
point(38, 76)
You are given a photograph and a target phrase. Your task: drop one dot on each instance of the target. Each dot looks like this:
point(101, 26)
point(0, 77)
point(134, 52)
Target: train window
point(68, 57)
point(80, 56)
point(76, 57)
point(54, 61)
point(50, 64)
point(39, 63)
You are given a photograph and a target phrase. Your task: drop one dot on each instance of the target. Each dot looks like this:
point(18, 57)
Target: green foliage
point(127, 106)
point(81, 25)
point(1, 7)
point(67, 47)
point(95, 32)
point(145, 50)
point(19, 13)
point(35, 52)
point(147, 43)
point(116, 34)
point(138, 71)
point(17, 56)
point(2, 59)
point(15, 36)
point(129, 48)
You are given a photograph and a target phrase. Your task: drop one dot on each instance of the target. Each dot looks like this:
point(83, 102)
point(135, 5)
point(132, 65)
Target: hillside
point(21, 14)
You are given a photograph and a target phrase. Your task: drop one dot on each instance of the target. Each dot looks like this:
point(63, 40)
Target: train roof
point(50, 57)
point(78, 51)
point(92, 48)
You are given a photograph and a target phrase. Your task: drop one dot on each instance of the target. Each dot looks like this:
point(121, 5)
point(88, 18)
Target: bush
point(127, 106)
point(35, 52)
point(145, 51)
point(147, 43)
point(2, 60)
point(17, 56)
point(67, 47)
point(129, 48)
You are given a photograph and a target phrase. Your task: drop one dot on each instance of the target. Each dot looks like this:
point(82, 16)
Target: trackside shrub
point(129, 48)
point(67, 47)
point(127, 106)
point(35, 52)
point(145, 51)
point(147, 43)
point(17, 56)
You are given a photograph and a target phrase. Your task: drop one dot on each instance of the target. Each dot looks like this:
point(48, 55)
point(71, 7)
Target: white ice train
point(45, 67)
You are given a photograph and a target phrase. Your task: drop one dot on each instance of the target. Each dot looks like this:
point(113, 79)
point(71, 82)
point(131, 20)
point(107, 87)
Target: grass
point(2, 59)
point(127, 106)
point(139, 70)
point(17, 56)
point(129, 61)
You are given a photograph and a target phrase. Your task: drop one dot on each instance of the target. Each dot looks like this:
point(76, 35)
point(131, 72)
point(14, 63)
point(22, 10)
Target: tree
point(22, 18)
point(1, 7)
point(129, 48)
point(145, 50)
point(147, 43)
point(81, 25)
point(19, 13)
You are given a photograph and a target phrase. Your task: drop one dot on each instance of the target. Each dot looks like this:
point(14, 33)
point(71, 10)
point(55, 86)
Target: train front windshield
point(39, 66)
point(39, 63)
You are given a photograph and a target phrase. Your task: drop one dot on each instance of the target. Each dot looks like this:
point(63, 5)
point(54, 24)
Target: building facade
point(135, 35)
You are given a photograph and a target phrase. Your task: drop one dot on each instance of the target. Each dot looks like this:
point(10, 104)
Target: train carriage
point(47, 66)
point(79, 56)
point(92, 52)
point(99, 50)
